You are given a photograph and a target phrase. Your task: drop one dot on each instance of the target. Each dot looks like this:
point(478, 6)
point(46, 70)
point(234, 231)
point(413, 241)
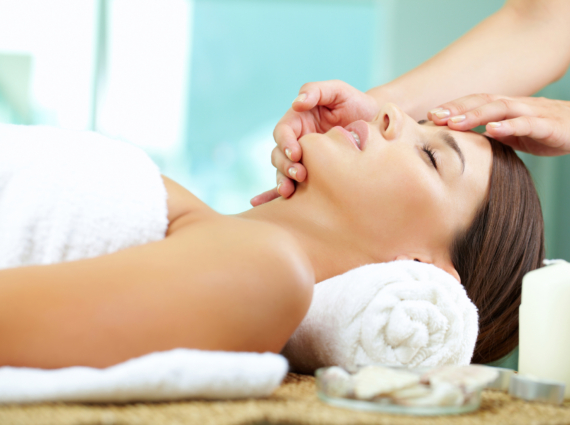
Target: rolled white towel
point(397, 313)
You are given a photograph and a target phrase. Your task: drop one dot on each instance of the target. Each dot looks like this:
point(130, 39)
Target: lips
point(349, 136)
point(360, 128)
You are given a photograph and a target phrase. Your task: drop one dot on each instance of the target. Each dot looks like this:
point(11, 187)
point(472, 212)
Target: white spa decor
point(397, 313)
point(544, 319)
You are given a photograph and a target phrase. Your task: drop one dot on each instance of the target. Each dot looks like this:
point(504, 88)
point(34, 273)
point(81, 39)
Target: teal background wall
point(418, 29)
point(250, 57)
point(552, 178)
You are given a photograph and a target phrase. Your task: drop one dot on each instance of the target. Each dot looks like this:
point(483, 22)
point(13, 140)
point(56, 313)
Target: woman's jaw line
point(327, 240)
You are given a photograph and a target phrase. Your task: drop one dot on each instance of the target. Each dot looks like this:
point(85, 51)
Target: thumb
point(324, 93)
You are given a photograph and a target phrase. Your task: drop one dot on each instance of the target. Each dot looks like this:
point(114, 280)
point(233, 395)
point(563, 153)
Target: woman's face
point(416, 185)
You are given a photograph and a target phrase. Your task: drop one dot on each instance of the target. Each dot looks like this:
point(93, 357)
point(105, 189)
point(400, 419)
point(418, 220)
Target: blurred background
point(200, 84)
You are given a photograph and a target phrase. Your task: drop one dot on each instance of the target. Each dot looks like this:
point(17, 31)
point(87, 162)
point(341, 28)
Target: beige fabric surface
point(295, 402)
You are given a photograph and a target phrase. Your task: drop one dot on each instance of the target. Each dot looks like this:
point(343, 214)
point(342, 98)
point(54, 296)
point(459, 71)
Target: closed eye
point(431, 154)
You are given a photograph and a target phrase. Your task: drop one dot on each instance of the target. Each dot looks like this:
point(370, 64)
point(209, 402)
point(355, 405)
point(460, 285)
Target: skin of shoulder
point(214, 283)
point(181, 202)
point(274, 275)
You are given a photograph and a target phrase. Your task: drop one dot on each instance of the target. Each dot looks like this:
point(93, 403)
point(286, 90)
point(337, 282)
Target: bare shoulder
point(268, 247)
point(259, 270)
point(273, 263)
point(275, 251)
point(261, 249)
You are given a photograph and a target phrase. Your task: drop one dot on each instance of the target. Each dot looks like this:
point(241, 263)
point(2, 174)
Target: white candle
point(544, 324)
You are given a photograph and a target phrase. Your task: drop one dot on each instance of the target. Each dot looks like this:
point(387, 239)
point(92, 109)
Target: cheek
point(407, 195)
point(403, 178)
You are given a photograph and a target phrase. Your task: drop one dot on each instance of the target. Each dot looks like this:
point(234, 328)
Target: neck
point(319, 232)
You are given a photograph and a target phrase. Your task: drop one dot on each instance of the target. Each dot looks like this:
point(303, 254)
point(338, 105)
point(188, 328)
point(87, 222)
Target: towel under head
point(397, 313)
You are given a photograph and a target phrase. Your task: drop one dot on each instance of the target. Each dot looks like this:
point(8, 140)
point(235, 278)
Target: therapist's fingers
point(285, 185)
point(324, 93)
point(499, 110)
point(286, 133)
point(535, 135)
point(264, 197)
point(295, 171)
point(298, 120)
point(285, 188)
point(460, 106)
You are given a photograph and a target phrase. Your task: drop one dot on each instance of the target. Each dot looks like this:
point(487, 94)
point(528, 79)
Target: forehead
point(430, 125)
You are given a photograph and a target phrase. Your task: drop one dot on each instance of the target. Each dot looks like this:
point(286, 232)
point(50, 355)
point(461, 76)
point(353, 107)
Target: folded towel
point(67, 195)
point(397, 313)
point(170, 375)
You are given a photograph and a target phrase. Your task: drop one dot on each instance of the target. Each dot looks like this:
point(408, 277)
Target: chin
point(327, 162)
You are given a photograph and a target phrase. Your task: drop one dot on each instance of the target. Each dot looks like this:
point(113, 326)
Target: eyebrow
point(451, 142)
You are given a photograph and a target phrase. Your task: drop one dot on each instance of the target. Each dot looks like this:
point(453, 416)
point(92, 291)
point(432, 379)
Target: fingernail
point(444, 113)
point(458, 118)
point(301, 98)
point(288, 153)
point(433, 111)
point(494, 124)
point(279, 188)
point(293, 172)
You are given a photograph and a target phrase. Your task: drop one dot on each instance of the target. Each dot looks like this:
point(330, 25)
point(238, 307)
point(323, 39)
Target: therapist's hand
point(534, 125)
point(319, 107)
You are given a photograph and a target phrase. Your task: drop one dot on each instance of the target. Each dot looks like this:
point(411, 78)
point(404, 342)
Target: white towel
point(397, 313)
point(67, 195)
point(169, 375)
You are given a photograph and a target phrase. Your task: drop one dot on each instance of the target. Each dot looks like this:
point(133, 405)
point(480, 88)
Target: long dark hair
point(504, 242)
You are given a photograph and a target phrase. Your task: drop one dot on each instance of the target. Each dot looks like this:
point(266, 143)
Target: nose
point(390, 121)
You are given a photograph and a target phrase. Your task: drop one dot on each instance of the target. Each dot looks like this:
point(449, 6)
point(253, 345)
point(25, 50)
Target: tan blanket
point(295, 402)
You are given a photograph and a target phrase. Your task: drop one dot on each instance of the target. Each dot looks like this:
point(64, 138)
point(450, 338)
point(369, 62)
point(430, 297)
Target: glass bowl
point(384, 405)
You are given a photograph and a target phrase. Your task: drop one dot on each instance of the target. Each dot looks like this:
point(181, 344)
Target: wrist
point(392, 92)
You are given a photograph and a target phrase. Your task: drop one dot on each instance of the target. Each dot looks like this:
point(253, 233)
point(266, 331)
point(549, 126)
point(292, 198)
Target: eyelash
point(431, 154)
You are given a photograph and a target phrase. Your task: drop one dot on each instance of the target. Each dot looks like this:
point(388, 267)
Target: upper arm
point(546, 22)
point(548, 15)
point(188, 290)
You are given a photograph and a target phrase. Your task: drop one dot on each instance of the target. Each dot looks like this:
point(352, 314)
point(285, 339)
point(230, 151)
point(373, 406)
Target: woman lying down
point(376, 192)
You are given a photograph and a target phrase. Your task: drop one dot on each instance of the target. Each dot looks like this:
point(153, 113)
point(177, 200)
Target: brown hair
point(504, 242)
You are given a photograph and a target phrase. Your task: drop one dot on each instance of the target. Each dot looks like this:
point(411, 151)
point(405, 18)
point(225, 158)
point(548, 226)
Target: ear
point(444, 264)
